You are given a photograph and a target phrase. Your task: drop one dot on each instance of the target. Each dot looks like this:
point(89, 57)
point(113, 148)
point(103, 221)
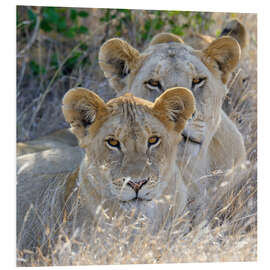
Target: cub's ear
point(117, 59)
point(82, 108)
point(174, 107)
point(165, 38)
point(223, 55)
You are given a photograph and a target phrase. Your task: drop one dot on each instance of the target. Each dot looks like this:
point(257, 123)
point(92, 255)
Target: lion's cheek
point(196, 130)
point(122, 193)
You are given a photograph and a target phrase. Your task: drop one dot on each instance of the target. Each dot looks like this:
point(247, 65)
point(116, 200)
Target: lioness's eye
point(112, 142)
point(153, 140)
point(198, 82)
point(153, 85)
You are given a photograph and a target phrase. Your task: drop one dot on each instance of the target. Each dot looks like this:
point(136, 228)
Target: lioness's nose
point(137, 185)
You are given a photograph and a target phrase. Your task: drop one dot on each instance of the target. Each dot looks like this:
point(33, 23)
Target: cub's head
point(130, 143)
point(167, 63)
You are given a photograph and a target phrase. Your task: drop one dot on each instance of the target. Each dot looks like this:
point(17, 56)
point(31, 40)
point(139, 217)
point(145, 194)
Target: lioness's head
point(168, 62)
point(130, 143)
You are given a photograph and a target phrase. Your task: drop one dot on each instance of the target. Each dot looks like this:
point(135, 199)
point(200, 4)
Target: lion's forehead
point(171, 48)
point(171, 59)
point(129, 108)
point(132, 123)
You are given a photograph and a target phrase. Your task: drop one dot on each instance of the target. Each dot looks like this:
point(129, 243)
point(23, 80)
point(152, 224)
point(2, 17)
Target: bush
point(57, 49)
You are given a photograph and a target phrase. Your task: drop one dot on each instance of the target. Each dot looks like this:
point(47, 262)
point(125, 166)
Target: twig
point(234, 79)
point(21, 77)
point(29, 106)
point(32, 40)
point(241, 218)
point(48, 89)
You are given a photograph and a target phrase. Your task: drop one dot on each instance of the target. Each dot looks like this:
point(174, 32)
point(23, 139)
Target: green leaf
point(83, 14)
point(84, 46)
point(54, 61)
point(177, 30)
point(70, 32)
point(157, 12)
point(82, 30)
point(86, 61)
point(127, 11)
point(33, 18)
point(147, 25)
point(158, 23)
point(173, 13)
point(119, 27)
point(36, 69)
point(31, 15)
point(186, 14)
point(106, 17)
point(73, 14)
point(61, 25)
point(50, 14)
point(72, 61)
point(45, 25)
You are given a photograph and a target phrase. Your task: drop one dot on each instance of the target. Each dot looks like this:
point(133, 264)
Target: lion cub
point(130, 147)
point(130, 165)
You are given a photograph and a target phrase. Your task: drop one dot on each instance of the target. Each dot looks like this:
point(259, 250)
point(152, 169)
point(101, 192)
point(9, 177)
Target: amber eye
point(153, 84)
point(112, 142)
point(195, 81)
point(153, 140)
point(198, 82)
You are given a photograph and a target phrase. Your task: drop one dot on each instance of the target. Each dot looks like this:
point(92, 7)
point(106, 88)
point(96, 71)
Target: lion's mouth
point(136, 203)
point(136, 199)
point(141, 199)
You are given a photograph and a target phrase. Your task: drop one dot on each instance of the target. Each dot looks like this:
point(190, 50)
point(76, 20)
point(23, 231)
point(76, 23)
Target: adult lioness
point(240, 77)
point(212, 141)
point(130, 163)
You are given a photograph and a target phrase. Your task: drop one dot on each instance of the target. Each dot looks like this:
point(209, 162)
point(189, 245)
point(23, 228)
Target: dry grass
point(117, 242)
point(202, 245)
point(231, 234)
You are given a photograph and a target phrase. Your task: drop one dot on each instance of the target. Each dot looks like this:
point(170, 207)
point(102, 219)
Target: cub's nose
point(137, 185)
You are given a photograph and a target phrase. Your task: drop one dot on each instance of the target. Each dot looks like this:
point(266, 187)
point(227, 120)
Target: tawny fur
point(218, 144)
point(47, 202)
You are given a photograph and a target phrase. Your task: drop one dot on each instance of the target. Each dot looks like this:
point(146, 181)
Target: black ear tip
point(225, 31)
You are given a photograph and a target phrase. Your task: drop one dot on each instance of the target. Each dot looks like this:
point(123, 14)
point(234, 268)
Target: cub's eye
point(153, 140)
point(198, 82)
point(153, 85)
point(113, 143)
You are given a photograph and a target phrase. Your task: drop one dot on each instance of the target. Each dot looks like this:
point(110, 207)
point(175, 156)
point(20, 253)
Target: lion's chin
point(138, 206)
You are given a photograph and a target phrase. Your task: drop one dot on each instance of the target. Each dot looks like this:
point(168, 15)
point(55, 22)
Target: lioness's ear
point(174, 107)
point(81, 108)
point(222, 54)
point(117, 59)
point(237, 30)
point(165, 38)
